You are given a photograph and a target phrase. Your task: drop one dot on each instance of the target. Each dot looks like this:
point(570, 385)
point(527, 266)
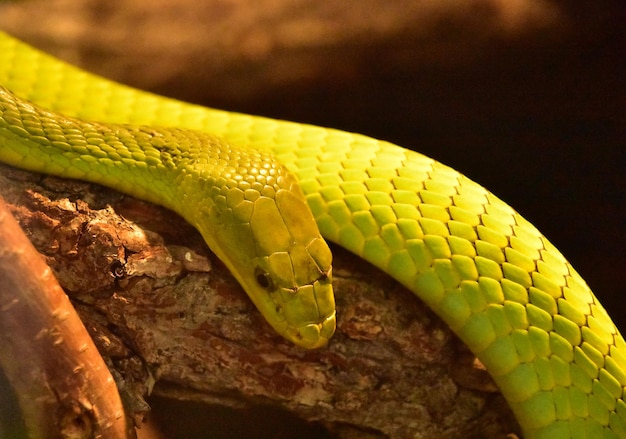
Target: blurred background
point(525, 97)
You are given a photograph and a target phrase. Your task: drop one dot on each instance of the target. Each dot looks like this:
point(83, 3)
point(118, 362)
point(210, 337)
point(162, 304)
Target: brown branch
point(61, 383)
point(164, 310)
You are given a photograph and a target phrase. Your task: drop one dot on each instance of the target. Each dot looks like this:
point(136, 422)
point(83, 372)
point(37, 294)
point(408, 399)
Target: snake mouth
point(312, 335)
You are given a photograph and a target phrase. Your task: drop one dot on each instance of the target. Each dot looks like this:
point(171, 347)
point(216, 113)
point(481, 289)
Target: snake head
point(292, 270)
point(297, 296)
point(258, 223)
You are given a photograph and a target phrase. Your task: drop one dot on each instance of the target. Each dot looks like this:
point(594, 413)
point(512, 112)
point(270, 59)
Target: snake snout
point(313, 335)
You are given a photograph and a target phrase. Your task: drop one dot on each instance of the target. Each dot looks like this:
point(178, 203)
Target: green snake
point(245, 182)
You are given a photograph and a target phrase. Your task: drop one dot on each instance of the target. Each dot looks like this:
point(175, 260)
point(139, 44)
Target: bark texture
point(57, 377)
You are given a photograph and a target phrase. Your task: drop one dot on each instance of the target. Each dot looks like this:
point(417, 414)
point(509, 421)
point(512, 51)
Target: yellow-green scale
point(499, 284)
point(496, 281)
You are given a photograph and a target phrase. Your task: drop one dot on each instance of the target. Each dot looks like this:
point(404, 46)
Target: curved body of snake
point(489, 274)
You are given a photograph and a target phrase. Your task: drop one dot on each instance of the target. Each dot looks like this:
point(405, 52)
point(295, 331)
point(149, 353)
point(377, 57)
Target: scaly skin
point(491, 276)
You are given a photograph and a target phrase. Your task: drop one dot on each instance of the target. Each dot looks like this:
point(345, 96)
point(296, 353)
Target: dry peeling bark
point(60, 382)
point(170, 319)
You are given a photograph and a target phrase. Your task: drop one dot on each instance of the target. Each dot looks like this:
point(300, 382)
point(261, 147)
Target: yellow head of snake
point(257, 222)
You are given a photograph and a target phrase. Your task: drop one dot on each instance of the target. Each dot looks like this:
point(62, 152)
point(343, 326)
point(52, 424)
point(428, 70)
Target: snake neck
point(160, 165)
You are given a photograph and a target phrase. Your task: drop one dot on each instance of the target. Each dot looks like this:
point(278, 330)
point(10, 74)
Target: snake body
point(501, 286)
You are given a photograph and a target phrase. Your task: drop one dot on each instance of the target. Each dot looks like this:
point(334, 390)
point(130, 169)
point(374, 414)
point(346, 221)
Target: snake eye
point(263, 279)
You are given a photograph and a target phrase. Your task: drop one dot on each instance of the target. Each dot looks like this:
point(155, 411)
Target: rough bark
point(169, 318)
point(59, 380)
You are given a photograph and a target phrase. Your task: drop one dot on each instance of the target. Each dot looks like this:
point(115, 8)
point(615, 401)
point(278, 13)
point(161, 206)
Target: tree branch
point(61, 383)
